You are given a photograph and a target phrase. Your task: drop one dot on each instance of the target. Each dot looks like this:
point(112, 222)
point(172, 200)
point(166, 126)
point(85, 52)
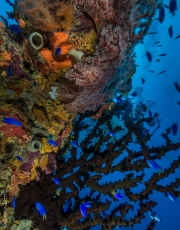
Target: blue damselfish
point(11, 121)
point(57, 51)
point(66, 205)
point(14, 202)
point(19, 158)
point(53, 143)
point(41, 209)
point(83, 210)
point(56, 181)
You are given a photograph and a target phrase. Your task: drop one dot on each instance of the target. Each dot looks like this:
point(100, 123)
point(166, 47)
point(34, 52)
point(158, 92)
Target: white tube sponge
point(77, 54)
point(34, 144)
point(36, 41)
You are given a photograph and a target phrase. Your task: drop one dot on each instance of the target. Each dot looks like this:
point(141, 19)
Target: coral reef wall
point(61, 65)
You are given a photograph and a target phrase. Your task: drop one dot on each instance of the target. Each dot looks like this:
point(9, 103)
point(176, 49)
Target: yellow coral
point(33, 170)
point(57, 114)
point(16, 163)
point(33, 174)
point(43, 162)
point(40, 118)
point(89, 41)
point(47, 148)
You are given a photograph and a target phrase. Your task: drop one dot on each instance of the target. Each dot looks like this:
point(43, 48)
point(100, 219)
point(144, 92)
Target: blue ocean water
point(162, 97)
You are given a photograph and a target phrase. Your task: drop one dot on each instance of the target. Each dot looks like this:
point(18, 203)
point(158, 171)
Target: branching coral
point(90, 172)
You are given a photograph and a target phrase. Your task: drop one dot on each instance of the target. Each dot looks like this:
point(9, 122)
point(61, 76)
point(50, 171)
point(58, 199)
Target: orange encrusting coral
point(59, 39)
point(6, 59)
point(2, 25)
point(18, 177)
point(21, 23)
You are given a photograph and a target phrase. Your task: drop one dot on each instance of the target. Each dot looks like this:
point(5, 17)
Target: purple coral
point(51, 166)
point(28, 165)
point(33, 154)
point(15, 65)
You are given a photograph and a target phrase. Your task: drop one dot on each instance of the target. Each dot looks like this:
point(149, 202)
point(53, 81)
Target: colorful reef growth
point(61, 65)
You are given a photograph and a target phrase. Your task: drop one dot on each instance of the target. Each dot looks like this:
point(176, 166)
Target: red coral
point(12, 130)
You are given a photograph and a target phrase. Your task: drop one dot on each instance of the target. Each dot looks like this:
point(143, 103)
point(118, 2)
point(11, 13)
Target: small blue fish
point(56, 181)
point(143, 80)
point(9, 71)
point(118, 196)
point(119, 98)
point(74, 143)
point(87, 204)
point(155, 166)
point(174, 129)
point(54, 173)
point(59, 189)
point(41, 210)
point(171, 196)
point(34, 83)
point(57, 51)
point(170, 31)
point(134, 94)
point(154, 216)
point(161, 12)
point(14, 202)
point(11, 121)
point(149, 56)
point(19, 158)
point(111, 134)
point(15, 29)
point(53, 143)
point(149, 113)
point(114, 100)
point(66, 205)
point(177, 86)
point(172, 7)
point(64, 228)
point(166, 6)
point(83, 210)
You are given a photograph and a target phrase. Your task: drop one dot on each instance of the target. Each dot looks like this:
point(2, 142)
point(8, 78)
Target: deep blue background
point(162, 90)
